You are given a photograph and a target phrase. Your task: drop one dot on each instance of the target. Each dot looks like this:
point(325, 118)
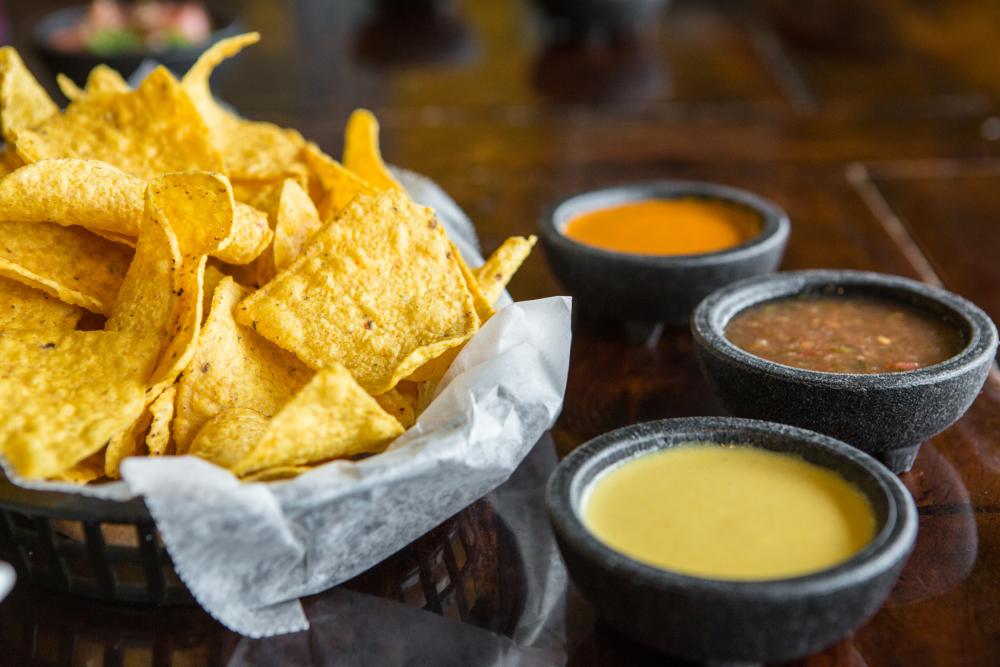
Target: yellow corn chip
point(128, 442)
point(162, 411)
point(501, 266)
point(250, 149)
point(74, 192)
point(361, 151)
point(437, 367)
point(63, 396)
point(330, 417)
point(229, 437)
point(233, 367)
point(23, 307)
point(103, 79)
point(336, 185)
point(378, 290)
point(399, 403)
point(150, 131)
point(84, 472)
point(108, 201)
point(250, 236)
point(9, 161)
point(68, 87)
point(213, 276)
point(68, 263)
point(276, 474)
point(186, 216)
point(24, 104)
point(296, 220)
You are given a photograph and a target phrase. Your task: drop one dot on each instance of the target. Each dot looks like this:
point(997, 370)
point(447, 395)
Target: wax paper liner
point(247, 552)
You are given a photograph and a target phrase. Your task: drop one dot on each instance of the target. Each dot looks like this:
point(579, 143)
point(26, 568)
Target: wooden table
point(873, 122)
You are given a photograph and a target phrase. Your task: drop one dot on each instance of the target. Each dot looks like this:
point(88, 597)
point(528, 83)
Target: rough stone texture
point(704, 619)
point(649, 287)
point(887, 415)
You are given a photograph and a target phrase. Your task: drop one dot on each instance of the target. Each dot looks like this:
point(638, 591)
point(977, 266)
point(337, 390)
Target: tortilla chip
point(501, 266)
point(213, 276)
point(84, 472)
point(361, 151)
point(63, 396)
point(399, 403)
point(233, 367)
point(251, 235)
point(162, 412)
point(68, 87)
point(107, 200)
point(336, 185)
point(9, 161)
point(104, 79)
point(296, 220)
point(23, 307)
point(276, 474)
point(68, 263)
point(378, 289)
point(186, 216)
point(330, 417)
point(74, 192)
point(229, 437)
point(129, 442)
point(262, 194)
point(24, 104)
point(250, 149)
point(150, 131)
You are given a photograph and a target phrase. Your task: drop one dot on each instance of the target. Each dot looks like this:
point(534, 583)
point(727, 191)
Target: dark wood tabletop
point(874, 123)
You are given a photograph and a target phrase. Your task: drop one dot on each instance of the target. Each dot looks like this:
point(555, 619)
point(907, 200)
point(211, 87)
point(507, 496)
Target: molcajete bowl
point(887, 415)
point(739, 621)
point(656, 288)
point(77, 64)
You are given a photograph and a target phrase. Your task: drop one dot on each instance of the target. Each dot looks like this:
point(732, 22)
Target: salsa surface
point(845, 334)
point(685, 226)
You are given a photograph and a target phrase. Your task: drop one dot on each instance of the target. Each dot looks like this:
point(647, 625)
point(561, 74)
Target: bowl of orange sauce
point(651, 251)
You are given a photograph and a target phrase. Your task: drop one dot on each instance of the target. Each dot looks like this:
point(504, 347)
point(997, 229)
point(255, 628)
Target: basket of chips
point(230, 360)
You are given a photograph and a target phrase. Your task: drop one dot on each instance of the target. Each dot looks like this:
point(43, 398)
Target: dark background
point(874, 123)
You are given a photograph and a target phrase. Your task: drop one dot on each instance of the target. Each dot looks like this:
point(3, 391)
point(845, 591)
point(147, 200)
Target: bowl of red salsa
point(879, 361)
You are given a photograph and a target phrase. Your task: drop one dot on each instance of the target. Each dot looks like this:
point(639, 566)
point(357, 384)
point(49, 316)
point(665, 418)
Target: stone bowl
point(731, 621)
point(77, 64)
point(656, 288)
point(887, 415)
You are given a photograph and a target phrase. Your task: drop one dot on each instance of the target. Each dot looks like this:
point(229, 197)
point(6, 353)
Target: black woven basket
point(96, 548)
point(467, 568)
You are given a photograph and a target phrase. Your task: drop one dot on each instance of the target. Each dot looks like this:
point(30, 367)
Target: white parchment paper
point(247, 552)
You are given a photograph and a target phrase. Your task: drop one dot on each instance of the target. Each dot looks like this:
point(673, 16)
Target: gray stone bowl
point(887, 415)
point(656, 288)
point(731, 621)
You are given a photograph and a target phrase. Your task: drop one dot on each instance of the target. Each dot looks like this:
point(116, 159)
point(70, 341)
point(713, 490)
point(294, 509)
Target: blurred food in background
point(109, 27)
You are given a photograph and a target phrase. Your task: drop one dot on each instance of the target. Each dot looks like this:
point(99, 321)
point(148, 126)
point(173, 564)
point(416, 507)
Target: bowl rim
point(710, 317)
point(224, 25)
point(888, 547)
point(773, 234)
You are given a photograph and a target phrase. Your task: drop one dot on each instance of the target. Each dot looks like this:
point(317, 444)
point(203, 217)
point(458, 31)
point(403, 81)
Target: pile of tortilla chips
point(176, 279)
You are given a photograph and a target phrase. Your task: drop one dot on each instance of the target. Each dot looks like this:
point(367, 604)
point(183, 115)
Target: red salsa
point(845, 334)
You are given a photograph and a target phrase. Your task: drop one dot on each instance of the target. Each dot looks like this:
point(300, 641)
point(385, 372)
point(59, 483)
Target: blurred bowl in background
point(77, 64)
point(609, 16)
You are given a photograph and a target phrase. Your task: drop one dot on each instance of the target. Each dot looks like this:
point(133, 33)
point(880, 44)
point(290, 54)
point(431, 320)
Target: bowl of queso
point(724, 539)
point(651, 251)
point(880, 362)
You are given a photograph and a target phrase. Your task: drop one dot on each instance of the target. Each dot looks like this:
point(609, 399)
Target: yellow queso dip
point(729, 512)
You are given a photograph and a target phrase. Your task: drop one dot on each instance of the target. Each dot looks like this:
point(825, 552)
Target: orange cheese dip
point(687, 226)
